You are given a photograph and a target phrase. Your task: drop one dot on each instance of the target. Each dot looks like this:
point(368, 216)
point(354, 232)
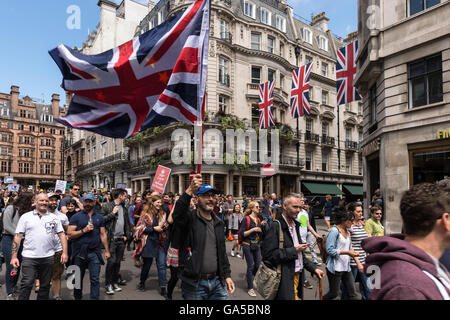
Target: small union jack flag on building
point(265, 105)
point(346, 73)
point(300, 91)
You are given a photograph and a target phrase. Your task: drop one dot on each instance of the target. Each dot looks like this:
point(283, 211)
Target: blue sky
point(30, 28)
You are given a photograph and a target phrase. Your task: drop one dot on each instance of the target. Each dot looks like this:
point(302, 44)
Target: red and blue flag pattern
point(154, 79)
point(346, 73)
point(300, 105)
point(265, 105)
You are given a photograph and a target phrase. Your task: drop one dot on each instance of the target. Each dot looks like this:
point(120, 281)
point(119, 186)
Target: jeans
point(253, 259)
point(363, 287)
point(43, 268)
point(117, 249)
point(335, 279)
point(160, 265)
point(10, 282)
point(205, 290)
point(92, 263)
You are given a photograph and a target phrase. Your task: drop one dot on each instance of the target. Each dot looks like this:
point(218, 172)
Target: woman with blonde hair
point(150, 239)
point(251, 233)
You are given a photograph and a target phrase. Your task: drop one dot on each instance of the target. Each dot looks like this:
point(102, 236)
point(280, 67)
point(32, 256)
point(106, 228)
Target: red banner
point(161, 178)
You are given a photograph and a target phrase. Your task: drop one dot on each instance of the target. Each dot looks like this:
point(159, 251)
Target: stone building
point(31, 141)
point(252, 42)
point(404, 76)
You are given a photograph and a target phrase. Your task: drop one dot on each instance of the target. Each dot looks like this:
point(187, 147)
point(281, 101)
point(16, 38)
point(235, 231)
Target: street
point(131, 274)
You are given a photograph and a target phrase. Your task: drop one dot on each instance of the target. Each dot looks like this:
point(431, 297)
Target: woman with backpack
point(250, 235)
point(234, 223)
point(340, 252)
point(19, 205)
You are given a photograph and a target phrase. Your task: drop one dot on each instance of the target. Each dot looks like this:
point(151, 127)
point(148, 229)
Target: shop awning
point(322, 188)
point(356, 190)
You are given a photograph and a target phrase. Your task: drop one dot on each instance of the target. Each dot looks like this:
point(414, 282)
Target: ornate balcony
point(351, 145)
point(312, 138)
point(328, 141)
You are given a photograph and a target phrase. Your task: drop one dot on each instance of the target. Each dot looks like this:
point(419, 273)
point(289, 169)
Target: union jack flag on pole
point(300, 91)
point(154, 79)
point(266, 104)
point(346, 73)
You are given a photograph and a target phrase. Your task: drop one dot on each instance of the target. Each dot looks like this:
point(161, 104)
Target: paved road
point(131, 274)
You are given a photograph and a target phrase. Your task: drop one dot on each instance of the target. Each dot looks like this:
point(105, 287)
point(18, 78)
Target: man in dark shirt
point(266, 210)
point(87, 229)
point(75, 195)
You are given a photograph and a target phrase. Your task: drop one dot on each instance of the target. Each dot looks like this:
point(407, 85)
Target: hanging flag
point(266, 104)
point(346, 73)
point(151, 80)
point(300, 91)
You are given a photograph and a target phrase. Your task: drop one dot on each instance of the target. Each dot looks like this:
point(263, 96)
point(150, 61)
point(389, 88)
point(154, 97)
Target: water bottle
point(13, 272)
point(90, 220)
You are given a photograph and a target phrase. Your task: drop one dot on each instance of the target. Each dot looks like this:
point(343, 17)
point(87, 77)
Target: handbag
point(267, 280)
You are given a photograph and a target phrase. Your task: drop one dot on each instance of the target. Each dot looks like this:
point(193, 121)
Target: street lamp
point(297, 54)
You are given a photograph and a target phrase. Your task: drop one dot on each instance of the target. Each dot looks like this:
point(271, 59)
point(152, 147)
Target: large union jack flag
point(151, 80)
point(266, 104)
point(300, 91)
point(346, 73)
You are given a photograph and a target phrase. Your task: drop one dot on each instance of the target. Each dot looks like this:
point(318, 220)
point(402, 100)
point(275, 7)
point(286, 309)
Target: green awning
point(356, 190)
point(322, 188)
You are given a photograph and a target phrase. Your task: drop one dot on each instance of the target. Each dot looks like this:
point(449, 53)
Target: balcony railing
point(312, 137)
point(351, 145)
point(329, 141)
point(291, 162)
point(122, 156)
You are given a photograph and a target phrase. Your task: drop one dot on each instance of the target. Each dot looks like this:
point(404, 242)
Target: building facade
point(252, 42)
point(404, 76)
point(31, 141)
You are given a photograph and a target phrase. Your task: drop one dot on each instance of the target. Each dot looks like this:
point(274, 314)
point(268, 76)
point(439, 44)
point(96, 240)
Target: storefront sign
point(161, 178)
point(443, 134)
point(371, 148)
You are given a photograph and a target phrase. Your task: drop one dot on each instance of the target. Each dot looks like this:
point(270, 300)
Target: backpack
point(322, 244)
point(247, 219)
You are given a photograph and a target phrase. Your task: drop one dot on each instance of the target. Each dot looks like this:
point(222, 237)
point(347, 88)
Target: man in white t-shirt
point(39, 228)
point(58, 267)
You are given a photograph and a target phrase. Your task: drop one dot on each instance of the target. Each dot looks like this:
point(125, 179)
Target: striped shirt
point(358, 233)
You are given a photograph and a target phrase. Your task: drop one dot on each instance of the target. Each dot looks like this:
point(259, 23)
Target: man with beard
point(87, 229)
point(203, 257)
point(408, 264)
point(39, 228)
point(58, 267)
point(75, 195)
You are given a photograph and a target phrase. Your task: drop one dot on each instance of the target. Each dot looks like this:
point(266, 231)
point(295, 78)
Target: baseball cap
point(89, 196)
point(204, 188)
point(51, 194)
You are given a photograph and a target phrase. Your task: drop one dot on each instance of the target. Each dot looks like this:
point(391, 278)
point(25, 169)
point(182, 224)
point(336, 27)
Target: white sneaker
point(232, 253)
point(238, 255)
point(251, 293)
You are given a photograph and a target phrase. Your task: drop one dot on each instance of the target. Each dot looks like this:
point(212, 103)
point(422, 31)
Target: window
point(153, 23)
point(322, 42)
point(24, 167)
point(61, 132)
point(250, 9)
point(88, 155)
point(6, 137)
point(324, 161)
point(270, 42)
point(311, 93)
point(10, 125)
point(162, 15)
point(256, 40)
point(4, 166)
point(347, 107)
point(308, 60)
point(94, 153)
point(324, 129)
point(265, 16)
point(23, 113)
point(20, 126)
point(5, 112)
point(280, 23)
point(27, 153)
point(282, 116)
point(32, 128)
point(416, 6)
point(348, 164)
point(307, 35)
point(256, 75)
point(42, 130)
point(324, 97)
point(348, 134)
point(223, 100)
point(103, 150)
point(360, 136)
point(270, 75)
point(255, 113)
point(324, 69)
point(308, 159)
point(360, 165)
point(46, 168)
point(4, 151)
point(224, 78)
point(224, 29)
point(309, 125)
point(47, 118)
point(373, 104)
point(281, 50)
point(360, 109)
point(281, 81)
point(425, 81)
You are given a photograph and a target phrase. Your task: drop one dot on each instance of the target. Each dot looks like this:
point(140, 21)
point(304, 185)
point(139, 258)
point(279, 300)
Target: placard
point(9, 179)
point(13, 187)
point(60, 185)
point(161, 178)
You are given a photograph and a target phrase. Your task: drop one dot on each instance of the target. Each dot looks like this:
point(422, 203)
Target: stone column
point(212, 179)
point(142, 185)
point(240, 186)
point(260, 183)
point(180, 184)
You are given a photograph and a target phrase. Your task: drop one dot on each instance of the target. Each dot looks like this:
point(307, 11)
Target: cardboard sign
point(161, 178)
point(121, 186)
point(14, 187)
point(60, 185)
point(9, 179)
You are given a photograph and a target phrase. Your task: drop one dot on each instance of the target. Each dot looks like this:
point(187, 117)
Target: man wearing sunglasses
point(373, 225)
point(75, 195)
point(206, 269)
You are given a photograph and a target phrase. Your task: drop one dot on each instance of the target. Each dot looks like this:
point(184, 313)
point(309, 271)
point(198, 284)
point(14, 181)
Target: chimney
point(320, 21)
point(14, 99)
point(55, 105)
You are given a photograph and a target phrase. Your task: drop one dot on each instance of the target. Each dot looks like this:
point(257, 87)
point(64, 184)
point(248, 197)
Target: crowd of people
point(43, 233)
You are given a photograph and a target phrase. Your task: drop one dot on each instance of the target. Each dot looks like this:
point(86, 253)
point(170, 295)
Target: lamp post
point(297, 54)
